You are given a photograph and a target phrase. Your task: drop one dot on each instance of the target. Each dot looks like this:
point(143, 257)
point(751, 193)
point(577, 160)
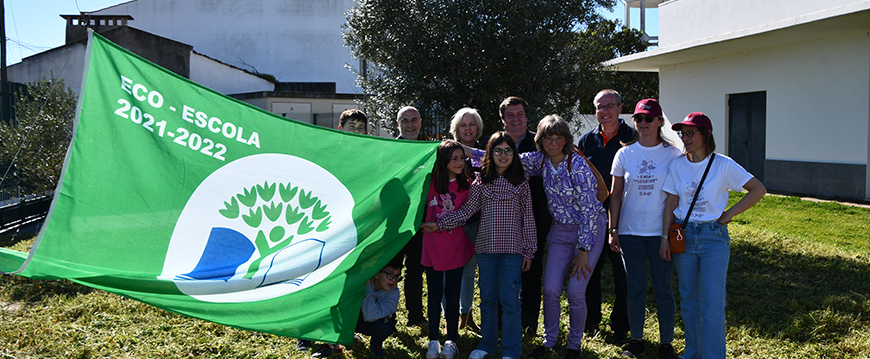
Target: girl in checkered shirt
point(505, 244)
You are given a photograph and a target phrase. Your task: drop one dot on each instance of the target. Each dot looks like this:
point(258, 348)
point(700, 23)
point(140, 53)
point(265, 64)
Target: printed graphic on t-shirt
point(444, 204)
point(646, 182)
point(701, 204)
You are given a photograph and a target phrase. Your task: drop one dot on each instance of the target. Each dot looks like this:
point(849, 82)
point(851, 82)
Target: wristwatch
point(612, 230)
point(664, 236)
point(579, 247)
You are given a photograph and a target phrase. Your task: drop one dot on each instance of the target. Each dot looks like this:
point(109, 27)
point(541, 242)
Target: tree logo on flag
point(260, 227)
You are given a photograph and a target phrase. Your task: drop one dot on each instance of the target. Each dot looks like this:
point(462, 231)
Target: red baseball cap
point(648, 106)
point(694, 119)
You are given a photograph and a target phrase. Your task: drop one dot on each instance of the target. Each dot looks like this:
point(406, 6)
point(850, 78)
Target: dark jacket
point(601, 156)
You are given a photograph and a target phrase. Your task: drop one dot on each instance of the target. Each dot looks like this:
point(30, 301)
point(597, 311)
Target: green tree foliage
point(44, 117)
point(441, 55)
point(605, 40)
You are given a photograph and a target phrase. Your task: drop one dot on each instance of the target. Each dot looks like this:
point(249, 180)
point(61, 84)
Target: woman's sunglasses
point(641, 118)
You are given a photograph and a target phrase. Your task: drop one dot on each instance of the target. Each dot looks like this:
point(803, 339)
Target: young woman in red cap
point(636, 201)
point(703, 267)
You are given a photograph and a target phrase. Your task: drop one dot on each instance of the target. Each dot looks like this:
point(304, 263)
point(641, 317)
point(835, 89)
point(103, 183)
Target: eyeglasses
point(641, 118)
point(608, 106)
point(554, 139)
point(392, 276)
point(498, 151)
point(688, 133)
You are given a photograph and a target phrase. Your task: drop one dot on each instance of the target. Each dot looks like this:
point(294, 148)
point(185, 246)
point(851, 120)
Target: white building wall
point(64, 62)
point(680, 23)
point(817, 96)
point(295, 41)
point(224, 78)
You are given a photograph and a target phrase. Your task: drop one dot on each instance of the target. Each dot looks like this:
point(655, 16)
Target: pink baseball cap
point(648, 106)
point(694, 119)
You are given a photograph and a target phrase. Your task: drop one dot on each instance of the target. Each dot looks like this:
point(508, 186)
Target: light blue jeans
point(702, 270)
point(636, 252)
point(466, 292)
point(500, 283)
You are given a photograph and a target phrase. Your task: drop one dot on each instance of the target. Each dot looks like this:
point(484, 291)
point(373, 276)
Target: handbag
point(603, 192)
point(676, 233)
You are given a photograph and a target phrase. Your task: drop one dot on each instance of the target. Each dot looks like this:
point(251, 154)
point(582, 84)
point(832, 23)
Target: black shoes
point(666, 351)
point(634, 349)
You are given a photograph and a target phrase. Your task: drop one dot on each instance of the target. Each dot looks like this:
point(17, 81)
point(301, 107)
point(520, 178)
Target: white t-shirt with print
point(645, 170)
point(684, 176)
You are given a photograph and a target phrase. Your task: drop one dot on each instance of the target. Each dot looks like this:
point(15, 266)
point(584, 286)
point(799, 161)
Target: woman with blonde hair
point(466, 126)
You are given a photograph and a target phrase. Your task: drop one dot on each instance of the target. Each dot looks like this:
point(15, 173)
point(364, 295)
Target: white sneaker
point(506, 358)
point(450, 350)
point(477, 354)
point(434, 351)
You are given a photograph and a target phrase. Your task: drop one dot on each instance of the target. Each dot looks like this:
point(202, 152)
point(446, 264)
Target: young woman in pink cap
point(703, 267)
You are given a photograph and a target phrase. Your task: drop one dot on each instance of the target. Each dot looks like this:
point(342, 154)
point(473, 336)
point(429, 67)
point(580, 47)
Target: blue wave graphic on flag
point(225, 251)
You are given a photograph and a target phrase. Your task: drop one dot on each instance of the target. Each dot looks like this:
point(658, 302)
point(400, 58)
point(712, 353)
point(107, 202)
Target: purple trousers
point(562, 248)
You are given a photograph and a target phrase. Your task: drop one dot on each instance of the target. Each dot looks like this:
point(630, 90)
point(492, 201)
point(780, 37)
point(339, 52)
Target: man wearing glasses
point(600, 146)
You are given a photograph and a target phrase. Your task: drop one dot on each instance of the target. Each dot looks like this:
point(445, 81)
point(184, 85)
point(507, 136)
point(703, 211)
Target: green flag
point(177, 196)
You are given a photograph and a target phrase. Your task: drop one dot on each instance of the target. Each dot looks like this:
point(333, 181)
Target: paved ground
point(855, 204)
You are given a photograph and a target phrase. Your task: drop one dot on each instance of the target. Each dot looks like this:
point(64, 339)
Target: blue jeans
point(702, 270)
point(636, 251)
point(466, 293)
point(500, 283)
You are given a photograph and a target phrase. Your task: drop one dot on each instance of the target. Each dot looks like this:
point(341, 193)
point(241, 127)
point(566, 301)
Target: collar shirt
point(601, 153)
point(507, 224)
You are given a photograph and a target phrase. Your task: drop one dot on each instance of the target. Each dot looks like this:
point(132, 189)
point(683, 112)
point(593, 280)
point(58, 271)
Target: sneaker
point(378, 351)
point(450, 350)
point(540, 352)
point(327, 350)
point(477, 354)
point(573, 354)
point(434, 351)
point(666, 351)
point(634, 349)
point(303, 345)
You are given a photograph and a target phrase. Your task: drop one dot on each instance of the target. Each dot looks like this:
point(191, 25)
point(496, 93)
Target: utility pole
point(5, 103)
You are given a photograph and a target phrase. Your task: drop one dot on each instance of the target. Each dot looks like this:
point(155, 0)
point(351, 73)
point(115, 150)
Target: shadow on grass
point(21, 289)
point(779, 293)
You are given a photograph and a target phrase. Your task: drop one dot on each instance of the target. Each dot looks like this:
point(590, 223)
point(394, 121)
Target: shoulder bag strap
point(698, 190)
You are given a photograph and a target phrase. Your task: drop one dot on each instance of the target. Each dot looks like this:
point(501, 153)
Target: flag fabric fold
point(177, 196)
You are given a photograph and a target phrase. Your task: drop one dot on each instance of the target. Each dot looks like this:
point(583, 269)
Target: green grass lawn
point(798, 287)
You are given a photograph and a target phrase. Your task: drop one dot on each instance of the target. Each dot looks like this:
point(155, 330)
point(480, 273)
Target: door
point(746, 130)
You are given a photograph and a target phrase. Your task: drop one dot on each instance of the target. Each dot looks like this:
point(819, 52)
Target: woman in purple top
point(578, 224)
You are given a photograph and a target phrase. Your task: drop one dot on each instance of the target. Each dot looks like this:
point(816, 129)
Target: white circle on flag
point(260, 251)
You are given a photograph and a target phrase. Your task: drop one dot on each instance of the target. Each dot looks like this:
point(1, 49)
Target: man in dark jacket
point(513, 111)
point(600, 146)
point(409, 123)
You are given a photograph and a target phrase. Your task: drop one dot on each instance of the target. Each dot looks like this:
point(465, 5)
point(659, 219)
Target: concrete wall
point(296, 41)
point(679, 20)
point(63, 62)
point(817, 105)
point(224, 78)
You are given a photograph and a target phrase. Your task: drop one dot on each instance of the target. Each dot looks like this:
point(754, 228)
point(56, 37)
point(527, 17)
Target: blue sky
point(35, 26)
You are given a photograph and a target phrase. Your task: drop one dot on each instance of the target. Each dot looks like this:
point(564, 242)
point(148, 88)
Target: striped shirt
point(507, 224)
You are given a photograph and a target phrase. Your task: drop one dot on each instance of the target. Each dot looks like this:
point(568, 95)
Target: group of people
point(495, 207)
